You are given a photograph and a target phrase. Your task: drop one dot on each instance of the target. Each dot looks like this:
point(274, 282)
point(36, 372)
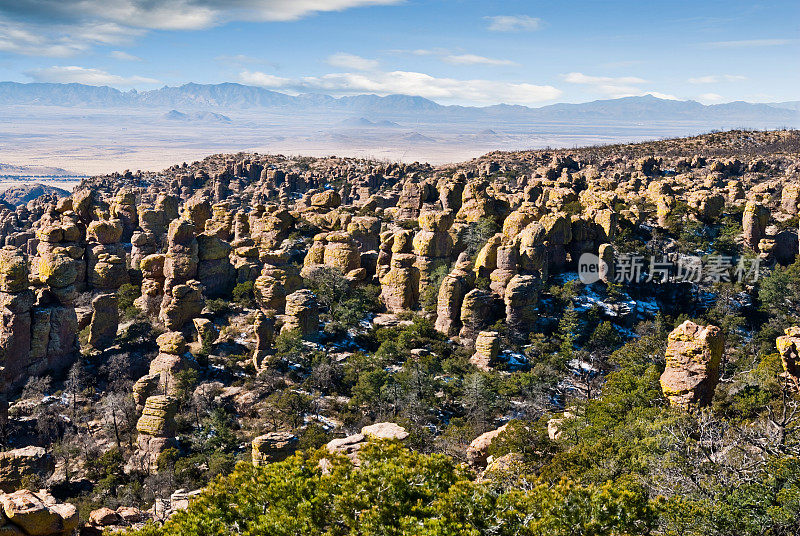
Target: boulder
point(27, 511)
point(478, 450)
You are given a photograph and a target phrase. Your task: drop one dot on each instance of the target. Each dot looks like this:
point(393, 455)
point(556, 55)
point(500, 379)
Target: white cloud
point(713, 79)
point(68, 27)
point(410, 83)
point(710, 98)
point(513, 23)
point(472, 59)
point(123, 56)
point(623, 86)
point(82, 75)
point(351, 61)
point(749, 43)
point(257, 78)
point(615, 87)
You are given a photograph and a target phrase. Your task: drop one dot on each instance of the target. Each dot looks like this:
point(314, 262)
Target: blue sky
point(452, 51)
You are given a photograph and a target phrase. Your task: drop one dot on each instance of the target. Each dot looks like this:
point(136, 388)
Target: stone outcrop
point(521, 297)
point(454, 287)
point(302, 314)
point(264, 328)
point(693, 360)
point(170, 361)
point(152, 267)
point(273, 447)
point(105, 321)
point(754, 223)
point(399, 286)
point(183, 294)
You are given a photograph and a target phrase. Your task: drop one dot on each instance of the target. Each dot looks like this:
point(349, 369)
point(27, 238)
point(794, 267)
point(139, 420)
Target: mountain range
point(231, 96)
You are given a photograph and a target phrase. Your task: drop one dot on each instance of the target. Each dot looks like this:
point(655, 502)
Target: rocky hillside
point(600, 340)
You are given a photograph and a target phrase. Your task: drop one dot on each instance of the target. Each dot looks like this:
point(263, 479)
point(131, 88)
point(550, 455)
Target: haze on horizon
point(468, 53)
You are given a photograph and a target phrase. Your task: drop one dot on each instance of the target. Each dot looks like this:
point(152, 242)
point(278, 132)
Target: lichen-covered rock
point(264, 328)
point(210, 248)
point(104, 231)
point(18, 465)
point(13, 270)
point(152, 267)
point(693, 358)
point(197, 211)
point(486, 261)
point(172, 342)
point(270, 293)
point(790, 197)
point(487, 348)
point(341, 252)
point(109, 272)
point(448, 308)
point(58, 269)
point(158, 416)
point(143, 388)
point(507, 264)
point(273, 447)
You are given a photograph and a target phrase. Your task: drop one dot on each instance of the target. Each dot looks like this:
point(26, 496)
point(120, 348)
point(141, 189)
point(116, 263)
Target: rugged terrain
point(401, 348)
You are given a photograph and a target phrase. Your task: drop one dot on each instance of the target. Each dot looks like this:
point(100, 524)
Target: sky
point(464, 52)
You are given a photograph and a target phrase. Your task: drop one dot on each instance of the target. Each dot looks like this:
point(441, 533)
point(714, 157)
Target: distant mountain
point(11, 170)
point(790, 105)
point(209, 117)
point(19, 195)
point(363, 122)
point(230, 96)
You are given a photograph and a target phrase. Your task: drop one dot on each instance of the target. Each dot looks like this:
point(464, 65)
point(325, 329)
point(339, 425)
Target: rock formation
point(693, 359)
